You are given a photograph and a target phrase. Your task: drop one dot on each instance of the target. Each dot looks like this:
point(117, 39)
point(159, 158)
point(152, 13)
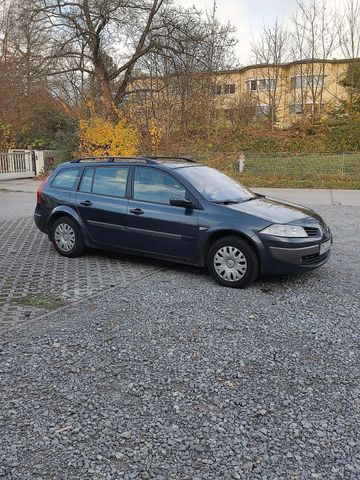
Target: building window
point(251, 85)
point(262, 110)
point(217, 90)
point(229, 89)
point(308, 81)
point(307, 109)
point(295, 109)
point(261, 84)
point(267, 84)
point(297, 82)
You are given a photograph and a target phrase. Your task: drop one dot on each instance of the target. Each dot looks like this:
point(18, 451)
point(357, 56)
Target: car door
point(156, 226)
point(102, 204)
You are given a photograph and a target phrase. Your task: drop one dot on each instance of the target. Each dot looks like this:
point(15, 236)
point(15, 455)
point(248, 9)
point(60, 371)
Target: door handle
point(86, 203)
point(137, 211)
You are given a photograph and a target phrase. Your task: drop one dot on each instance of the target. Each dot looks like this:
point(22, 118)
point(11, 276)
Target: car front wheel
point(66, 237)
point(233, 262)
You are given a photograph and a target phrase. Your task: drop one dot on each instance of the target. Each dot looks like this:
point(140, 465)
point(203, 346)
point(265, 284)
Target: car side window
point(66, 178)
point(86, 180)
point(152, 185)
point(110, 181)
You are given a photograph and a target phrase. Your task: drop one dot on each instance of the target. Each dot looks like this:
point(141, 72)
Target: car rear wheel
point(66, 237)
point(233, 262)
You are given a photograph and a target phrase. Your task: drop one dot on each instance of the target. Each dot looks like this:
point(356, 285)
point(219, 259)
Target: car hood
point(275, 211)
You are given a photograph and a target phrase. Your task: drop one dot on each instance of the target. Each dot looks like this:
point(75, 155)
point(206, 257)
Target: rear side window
point(110, 181)
point(151, 185)
point(86, 180)
point(66, 178)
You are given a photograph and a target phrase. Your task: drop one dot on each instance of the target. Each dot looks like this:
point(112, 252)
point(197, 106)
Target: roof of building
point(289, 64)
point(261, 65)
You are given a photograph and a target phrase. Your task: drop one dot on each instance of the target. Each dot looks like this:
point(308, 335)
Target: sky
point(248, 16)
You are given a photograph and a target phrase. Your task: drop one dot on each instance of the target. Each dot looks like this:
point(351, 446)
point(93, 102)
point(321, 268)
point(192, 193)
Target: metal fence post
point(241, 162)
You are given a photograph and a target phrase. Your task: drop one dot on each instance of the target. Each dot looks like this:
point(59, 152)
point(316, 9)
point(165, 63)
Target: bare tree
point(270, 52)
point(349, 30)
point(349, 40)
point(104, 40)
point(178, 85)
point(314, 40)
point(28, 43)
point(5, 8)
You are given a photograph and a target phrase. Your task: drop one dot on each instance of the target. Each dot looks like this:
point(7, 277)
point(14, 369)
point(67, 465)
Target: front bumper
point(304, 256)
point(292, 255)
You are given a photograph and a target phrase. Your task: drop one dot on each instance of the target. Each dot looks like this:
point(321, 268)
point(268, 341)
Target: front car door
point(102, 204)
point(156, 226)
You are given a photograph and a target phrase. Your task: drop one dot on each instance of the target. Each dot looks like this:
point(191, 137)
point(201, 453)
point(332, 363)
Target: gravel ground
point(175, 377)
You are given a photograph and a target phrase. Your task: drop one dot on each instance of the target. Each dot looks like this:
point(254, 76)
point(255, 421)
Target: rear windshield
point(214, 185)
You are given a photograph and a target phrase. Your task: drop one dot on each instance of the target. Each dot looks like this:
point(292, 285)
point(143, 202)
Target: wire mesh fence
point(317, 170)
point(344, 165)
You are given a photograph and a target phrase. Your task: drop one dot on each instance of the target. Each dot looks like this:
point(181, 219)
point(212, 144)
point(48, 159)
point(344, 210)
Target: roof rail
point(114, 159)
point(174, 157)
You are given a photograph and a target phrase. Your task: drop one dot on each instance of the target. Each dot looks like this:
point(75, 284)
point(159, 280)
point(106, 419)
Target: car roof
point(167, 162)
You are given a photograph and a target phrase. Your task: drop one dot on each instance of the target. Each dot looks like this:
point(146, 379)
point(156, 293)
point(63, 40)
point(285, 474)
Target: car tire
point(233, 262)
point(66, 237)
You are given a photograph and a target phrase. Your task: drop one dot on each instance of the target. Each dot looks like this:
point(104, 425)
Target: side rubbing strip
point(107, 225)
point(140, 231)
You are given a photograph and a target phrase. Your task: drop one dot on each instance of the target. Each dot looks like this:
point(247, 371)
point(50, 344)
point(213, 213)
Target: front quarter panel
point(218, 218)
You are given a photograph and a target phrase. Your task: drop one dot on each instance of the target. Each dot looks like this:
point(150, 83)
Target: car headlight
point(290, 231)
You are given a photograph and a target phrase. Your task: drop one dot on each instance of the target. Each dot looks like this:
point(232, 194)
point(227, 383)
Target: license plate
point(325, 247)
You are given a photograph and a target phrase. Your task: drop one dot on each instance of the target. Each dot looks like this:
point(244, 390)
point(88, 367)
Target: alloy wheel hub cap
point(64, 237)
point(230, 263)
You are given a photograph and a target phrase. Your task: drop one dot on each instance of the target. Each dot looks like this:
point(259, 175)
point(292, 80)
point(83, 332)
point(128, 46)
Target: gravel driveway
point(175, 377)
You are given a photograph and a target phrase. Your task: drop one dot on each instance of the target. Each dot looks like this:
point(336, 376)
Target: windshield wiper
point(226, 202)
point(233, 201)
point(249, 199)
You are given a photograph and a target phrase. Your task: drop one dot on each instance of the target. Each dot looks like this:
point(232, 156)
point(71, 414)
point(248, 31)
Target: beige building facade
point(283, 93)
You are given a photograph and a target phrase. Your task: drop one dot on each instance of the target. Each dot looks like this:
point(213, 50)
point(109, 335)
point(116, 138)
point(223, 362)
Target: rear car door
point(156, 226)
point(102, 204)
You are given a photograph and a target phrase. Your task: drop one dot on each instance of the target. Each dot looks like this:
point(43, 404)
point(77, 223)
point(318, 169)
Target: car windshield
point(215, 186)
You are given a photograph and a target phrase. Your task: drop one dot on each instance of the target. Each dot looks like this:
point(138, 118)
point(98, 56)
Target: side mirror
point(181, 202)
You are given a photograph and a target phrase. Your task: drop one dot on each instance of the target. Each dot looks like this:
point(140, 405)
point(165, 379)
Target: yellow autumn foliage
point(99, 137)
point(156, 134)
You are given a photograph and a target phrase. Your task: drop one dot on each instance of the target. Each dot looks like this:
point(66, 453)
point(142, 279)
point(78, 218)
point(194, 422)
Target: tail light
point(39, 190)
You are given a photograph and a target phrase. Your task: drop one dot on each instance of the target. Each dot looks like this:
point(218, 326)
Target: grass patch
point(43, 300)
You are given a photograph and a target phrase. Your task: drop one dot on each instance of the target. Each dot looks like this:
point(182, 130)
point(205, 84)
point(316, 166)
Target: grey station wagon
point(176, 209)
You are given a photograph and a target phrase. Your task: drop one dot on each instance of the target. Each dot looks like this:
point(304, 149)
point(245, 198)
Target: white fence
point(16, 165)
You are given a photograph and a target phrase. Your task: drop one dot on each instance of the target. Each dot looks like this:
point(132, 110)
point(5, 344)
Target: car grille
point(312, 231)
point(315, 258)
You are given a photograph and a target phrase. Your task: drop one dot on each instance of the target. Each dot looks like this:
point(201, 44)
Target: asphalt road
point(169, 376)
point(16, 205)
point(18, 197)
